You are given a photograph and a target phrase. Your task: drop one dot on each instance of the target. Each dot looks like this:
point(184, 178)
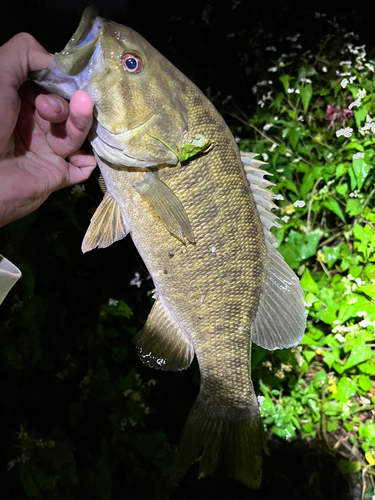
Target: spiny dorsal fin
point(262, 195)
point(107, 225)
point(280, 321)
point(166, 206)
point(162, 344)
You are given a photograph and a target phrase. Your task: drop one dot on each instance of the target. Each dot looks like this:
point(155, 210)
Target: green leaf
point(285, 79)
point(353, 207)
point(342, 189)
point(306, 94)
point(300, 247)
point(364, 382)
point(331, 254)
point(359, 353)
point(28, 484)
point(14, 358)
point(349, 467)
point(330, 357)
point(361, 171)
point(368, 290)
point(191, 145)
point(334, 207)
point(307, 282)
point(361, 113)
point(346, 388)
point(353, 180)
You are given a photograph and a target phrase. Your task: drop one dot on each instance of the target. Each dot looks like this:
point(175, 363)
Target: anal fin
point(162, 344)
point(107, 225)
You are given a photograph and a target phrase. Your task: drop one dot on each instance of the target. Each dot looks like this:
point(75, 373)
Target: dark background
point(217, 44)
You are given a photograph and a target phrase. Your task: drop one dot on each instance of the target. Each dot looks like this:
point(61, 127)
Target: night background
point(74, 396)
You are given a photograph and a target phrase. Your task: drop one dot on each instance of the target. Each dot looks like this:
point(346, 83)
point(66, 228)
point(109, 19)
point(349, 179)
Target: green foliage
point(316, 132)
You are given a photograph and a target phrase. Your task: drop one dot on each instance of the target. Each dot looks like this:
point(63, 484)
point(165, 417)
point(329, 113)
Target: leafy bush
point(314, 128)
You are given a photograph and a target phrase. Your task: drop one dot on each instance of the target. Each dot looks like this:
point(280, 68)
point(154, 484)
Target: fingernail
point(56, 104)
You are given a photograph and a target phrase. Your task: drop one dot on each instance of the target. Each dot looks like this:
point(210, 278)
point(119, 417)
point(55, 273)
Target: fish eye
point(132, 63)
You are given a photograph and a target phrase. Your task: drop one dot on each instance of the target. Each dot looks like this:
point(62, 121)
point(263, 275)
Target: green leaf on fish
point(189, 146)
point(192, 145)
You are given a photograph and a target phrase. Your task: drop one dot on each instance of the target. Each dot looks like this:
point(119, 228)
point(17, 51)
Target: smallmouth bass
point(199, 213)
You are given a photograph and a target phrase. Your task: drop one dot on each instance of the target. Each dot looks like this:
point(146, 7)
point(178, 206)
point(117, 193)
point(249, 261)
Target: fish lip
point(76, 54)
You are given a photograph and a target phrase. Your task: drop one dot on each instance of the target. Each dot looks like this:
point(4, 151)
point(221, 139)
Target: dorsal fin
point(280, 321)
point(262, 195)
point(107, 225)
point(161, 342)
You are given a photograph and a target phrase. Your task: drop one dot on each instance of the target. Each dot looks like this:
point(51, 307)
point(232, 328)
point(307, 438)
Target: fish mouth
point(78, 51)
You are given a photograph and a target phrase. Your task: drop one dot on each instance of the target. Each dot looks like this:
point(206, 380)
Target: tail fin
point(228, 439)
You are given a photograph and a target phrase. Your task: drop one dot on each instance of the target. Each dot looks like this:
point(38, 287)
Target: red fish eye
point(131, 63)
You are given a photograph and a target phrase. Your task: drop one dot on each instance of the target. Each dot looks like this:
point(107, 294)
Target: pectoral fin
point(280, 321)
point(162, 344)
point(107, 225)
point(166, 206)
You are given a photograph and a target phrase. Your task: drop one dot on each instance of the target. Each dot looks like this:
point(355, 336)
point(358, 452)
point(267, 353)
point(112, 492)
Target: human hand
point(38, 132)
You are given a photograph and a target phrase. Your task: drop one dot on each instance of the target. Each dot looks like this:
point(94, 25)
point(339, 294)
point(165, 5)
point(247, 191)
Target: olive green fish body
point(199, 213)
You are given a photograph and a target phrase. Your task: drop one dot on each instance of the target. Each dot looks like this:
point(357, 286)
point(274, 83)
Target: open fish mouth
point(78, 51)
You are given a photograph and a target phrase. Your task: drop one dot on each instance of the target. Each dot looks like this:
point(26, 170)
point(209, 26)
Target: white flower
point(370, 67)
point(299, 203)
point(78, 190)
point(297, 91)
point(279, 170)
point(281, 64)
point(261, 400)
point(136, 281)
point(344, 83)
point(267, 126)
point(352, 78)
point(362, 314)
point(286, 218)
point(346, 63)
point(352, 104)
point(324, 69)
point(271, 49)
point(358, 155)
point(290, 91)
point(273, 69)
point(340, 338)
point(301, 118)
point(346, 132)
point(294, 38)
point(306, 80)
point(112, 302)
point(265, 156)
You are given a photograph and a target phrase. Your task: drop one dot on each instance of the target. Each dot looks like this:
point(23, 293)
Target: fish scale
point(202, 234)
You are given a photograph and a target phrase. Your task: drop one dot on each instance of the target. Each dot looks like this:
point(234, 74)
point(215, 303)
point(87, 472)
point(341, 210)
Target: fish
point(199, 212)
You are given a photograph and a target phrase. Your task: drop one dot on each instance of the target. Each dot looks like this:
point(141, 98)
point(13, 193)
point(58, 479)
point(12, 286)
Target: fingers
point(80, 167)
point(51, 109)
point(17, 57)
point(66, 137)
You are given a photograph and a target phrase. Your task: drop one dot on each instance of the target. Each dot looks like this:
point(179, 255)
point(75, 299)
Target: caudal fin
point(226, 439)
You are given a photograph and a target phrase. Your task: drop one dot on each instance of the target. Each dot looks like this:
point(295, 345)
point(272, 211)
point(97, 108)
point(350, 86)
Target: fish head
point(137, 93)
